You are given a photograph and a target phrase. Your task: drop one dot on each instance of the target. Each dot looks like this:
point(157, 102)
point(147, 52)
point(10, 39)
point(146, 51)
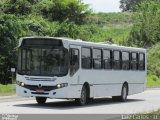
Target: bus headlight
point(62, 85)
point(20, 83)
point(59, 86)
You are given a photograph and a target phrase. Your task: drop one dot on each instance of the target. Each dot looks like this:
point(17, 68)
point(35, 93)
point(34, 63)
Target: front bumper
point(55, 93)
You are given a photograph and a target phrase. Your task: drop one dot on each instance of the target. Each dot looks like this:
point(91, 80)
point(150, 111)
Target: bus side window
point(134, 61)
point(74, 61)
point(141, 65)
point(107, 59)
point(125, 61)
point(116, 60)
point(86, 58)
point(97, 58)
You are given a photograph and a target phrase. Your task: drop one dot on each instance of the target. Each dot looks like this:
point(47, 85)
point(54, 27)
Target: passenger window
point(86, 58)
point(74, 61)
point(141, 61)
point(134, 61)
point(116, 60)
point(125, 61)
point(97, 59)
point(107, 59)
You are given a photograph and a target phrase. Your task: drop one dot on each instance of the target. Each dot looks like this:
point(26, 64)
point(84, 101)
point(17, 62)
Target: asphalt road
point(139, 103)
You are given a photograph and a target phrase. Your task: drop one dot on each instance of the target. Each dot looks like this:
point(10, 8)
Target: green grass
point(118, 34)
point(6, 90)
point(114, 18)
point(153, 81)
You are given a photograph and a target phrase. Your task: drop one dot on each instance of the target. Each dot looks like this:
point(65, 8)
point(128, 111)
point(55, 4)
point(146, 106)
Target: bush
point(154, 60)
point(152, 80)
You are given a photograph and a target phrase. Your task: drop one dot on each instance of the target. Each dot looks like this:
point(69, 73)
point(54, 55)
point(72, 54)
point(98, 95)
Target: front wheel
point(41, 100)
point(83, 98)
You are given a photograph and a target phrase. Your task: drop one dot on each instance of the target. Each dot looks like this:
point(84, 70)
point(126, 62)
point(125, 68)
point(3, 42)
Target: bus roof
point(80, 42)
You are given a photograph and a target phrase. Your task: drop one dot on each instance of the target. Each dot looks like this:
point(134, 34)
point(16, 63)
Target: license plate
point(40, 90)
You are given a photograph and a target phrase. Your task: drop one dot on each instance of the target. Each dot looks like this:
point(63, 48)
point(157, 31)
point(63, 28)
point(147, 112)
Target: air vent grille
point(39, 79)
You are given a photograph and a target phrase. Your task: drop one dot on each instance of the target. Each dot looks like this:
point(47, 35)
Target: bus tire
point(83, 98)
point(124, 93)
point(41, 100)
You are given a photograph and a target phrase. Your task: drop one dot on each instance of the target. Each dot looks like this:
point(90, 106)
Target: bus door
point(74, 53)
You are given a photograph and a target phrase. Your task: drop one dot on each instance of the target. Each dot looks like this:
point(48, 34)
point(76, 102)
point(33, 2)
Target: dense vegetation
point(129, 5)
point(139, 26)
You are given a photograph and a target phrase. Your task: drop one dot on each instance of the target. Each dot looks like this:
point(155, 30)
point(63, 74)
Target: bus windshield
point(41, 61)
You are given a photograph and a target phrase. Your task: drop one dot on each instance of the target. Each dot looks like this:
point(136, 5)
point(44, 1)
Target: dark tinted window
point(116, 60)
point(134, 61)
point(125, 61)
point(107, 59)
point(41, 42)
point(86, 58)
point(74, 61)
point(97, 59)
point(141, 61)
point(43, 61)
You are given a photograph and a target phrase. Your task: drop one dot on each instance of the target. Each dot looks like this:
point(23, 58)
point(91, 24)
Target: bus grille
point(36, 87)
point(39, 93)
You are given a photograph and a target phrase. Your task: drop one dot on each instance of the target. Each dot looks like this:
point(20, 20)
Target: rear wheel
point(83, 98)
point(41, 100)
point(124, 93)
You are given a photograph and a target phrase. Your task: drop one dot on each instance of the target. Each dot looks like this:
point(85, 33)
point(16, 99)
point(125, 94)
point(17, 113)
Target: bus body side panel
point(110, 82)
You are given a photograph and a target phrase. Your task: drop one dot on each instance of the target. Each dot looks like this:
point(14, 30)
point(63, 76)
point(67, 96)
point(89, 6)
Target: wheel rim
point(83, 96)
point(124, 95)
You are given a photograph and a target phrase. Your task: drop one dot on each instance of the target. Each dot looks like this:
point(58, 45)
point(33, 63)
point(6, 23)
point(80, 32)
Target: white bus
point(50, 67)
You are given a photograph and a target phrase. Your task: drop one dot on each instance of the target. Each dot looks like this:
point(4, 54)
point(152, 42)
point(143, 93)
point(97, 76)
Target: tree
point(146, 30)
point(18, 7)
point(68, 29)
point(11, 29)
point(129, 5)
point(61, 10)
